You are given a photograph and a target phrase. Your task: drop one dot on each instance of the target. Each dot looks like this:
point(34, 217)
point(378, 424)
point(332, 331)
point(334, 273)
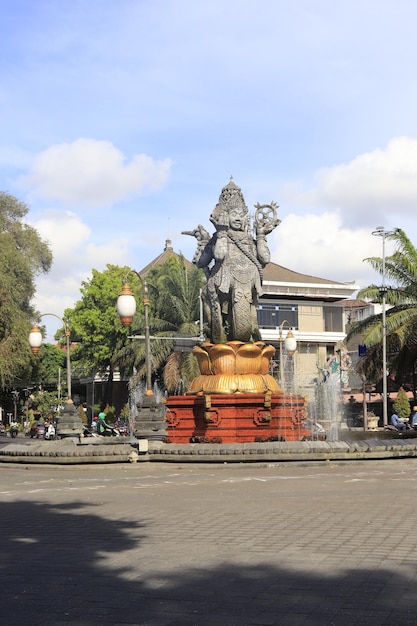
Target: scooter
point(50, 432)
point(13, 431)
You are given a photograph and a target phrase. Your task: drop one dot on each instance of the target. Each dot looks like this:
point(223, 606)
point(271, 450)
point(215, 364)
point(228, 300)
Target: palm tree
point(174, 295)
point(401, 318)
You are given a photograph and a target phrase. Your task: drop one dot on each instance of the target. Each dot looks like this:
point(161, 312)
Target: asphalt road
point(171, 544)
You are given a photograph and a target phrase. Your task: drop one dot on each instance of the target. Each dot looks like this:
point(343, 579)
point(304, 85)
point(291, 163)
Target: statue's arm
point(262, 250)
point(202, 256)
point(220, 245)
point(265, 222)
point(221, 223)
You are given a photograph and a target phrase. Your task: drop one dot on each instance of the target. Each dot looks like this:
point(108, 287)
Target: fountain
point(327, 405)
point(234, 399)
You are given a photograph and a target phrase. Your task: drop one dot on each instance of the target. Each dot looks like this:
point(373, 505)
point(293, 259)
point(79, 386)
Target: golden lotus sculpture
point(234, 367)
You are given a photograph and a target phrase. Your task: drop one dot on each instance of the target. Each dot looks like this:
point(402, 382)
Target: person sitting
point(414, 417)
point(49, 430)
point(398, 422)
point(103, 428)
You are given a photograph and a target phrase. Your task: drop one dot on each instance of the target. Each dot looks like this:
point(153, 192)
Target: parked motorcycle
point(37, 430)
point(121, 428)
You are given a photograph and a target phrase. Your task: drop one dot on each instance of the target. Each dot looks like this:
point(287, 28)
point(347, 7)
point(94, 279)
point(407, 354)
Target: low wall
point(378, 445)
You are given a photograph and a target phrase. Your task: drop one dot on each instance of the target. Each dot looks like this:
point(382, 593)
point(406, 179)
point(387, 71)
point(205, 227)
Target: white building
point(314, 309)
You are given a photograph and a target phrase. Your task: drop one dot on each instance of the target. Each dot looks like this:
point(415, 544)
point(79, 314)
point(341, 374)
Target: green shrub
point(110, 412)
point(402, 404)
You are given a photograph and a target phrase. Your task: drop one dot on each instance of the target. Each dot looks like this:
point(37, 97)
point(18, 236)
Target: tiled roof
point(353, 304)
point(278, 273)
point(163, 257)
point(271, 273)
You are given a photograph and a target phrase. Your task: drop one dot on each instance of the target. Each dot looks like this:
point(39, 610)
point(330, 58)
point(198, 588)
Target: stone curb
point(72, 452)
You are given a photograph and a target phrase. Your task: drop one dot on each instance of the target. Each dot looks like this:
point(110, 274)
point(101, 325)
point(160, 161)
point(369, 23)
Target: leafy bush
point(110, 412)
point(402, 404)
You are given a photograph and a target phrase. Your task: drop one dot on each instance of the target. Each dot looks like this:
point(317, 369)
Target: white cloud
point(369, 188)
point(321, 246)
point(74, 256)
point(92, 173)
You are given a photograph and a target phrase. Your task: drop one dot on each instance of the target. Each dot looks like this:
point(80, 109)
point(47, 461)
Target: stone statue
point(233, 262)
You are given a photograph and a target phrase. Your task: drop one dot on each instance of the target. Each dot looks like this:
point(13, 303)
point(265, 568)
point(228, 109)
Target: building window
point(272, 315)
point(333, 319)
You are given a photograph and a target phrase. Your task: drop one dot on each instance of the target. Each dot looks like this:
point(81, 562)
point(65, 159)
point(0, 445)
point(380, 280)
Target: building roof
point(356, 304)
point(280, 281)
point(275, 272)
point(163, 257)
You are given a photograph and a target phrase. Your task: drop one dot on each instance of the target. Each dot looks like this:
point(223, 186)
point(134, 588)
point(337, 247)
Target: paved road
point(170, 545)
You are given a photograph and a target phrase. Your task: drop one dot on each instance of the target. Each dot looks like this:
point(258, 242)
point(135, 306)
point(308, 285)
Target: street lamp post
point(381, 232)
point(290, 345)
point(70, 424)
point(126, 308)
point(35, 342)
point(150, 422)
point(15, 395)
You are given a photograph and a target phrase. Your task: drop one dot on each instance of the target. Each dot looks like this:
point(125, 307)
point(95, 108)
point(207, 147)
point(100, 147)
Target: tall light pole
point(381, 232)
point(290, 345)
point(35, 342)
point(126, 308)
point(150, 421)
point(70, 424)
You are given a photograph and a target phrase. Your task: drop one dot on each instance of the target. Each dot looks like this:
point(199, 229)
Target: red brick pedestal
point(235, 418)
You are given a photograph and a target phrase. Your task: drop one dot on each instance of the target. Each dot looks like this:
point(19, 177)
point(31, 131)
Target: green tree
point(95, 325)
point(50, 367)
point(402, 404)
point(179, 304)
point(23, 256)
point(46, 402)
point(401, 316)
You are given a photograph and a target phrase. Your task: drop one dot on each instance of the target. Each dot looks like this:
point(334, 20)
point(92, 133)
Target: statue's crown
point(231, 197)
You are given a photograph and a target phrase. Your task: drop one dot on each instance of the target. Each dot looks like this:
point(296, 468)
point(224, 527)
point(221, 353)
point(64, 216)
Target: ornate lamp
point(126, 305)
point(70, 423)
point(290, 345)
point(35, 339)
point(126, 308)
point(150, 422)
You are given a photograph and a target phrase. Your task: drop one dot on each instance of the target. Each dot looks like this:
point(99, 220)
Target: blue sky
point(121, 122)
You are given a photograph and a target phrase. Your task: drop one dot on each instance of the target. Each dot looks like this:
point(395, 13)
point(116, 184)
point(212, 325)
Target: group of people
point(401, 423)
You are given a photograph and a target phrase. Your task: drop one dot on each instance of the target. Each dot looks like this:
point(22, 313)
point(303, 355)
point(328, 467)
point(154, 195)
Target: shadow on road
point(55, 570)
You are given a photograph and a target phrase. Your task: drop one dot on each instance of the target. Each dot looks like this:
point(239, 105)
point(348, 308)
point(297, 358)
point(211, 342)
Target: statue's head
point(231, 209)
